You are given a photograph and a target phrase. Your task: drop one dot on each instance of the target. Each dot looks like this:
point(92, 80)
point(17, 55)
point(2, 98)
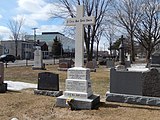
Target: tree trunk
point(16, 46)
point(97, 51)
point(132, 48)
point(148, 56)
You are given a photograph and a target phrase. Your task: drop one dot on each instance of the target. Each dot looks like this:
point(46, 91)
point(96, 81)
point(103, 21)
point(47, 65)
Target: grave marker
point(38, 61)
point(121, 51)
point(48, 84)
point(79, 22)
point(78, 84)
point(3, 86)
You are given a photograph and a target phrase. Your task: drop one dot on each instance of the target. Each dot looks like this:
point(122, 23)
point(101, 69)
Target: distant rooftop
point(47, 33)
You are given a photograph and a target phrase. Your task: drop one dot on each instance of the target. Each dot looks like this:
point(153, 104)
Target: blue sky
point(36, 13)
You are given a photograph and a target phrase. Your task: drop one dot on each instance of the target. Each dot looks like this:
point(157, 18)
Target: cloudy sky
point(36, 13)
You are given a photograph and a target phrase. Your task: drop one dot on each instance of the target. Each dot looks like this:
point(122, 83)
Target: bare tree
point(15, 26)
point(148, 30)
point(127, 13)
point(96, 8)
point(97, 40)
point(110, 35)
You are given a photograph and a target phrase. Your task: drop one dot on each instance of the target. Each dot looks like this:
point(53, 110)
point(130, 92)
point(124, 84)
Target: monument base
point(38, 68)
point(132, 99)
point(48, 93)
point(92, 102)
point(63, 69)
point(3, 87)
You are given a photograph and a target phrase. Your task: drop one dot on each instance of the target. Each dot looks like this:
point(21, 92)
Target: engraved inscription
point(78, 86)
point(78, 74)
point(75, 95)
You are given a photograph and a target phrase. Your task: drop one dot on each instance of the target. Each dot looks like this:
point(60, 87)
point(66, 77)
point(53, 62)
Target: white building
point(24, 48)
point(48, 37)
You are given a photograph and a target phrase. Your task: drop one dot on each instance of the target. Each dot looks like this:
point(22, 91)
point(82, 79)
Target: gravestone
point(3, 86)
point(151, 83)
point(121, 51)
point(38, 61)
point(91, 65)
point(48, 84)
point(64, 64)
point(155, 59)
point(78, 84)
point(128, 61)
point(110, 63)
point(135, 87)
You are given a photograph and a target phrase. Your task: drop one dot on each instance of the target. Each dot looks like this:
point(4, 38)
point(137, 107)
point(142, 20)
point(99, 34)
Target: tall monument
point(78, 83)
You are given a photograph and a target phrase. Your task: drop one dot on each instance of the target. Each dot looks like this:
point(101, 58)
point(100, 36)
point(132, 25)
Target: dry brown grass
point(26, 74)
point(27, 106)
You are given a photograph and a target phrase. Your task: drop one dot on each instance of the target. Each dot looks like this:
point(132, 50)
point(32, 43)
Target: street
point(31, 62)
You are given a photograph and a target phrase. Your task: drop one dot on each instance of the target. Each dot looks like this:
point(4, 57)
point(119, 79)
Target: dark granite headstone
point(48, 81)
point(3, 86)
point(126, 82)
point(135, 87)
point(48, 84)
point(1, 73)
point(151, 83)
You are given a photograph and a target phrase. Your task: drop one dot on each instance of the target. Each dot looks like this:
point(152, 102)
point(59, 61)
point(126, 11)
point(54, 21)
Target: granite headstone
point(48, 84)
point(3, 86)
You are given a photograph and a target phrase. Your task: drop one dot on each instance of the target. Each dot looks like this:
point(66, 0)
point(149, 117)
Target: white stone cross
point(79, 22)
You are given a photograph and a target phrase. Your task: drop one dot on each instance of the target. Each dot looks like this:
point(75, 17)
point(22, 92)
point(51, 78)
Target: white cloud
point(31, 5)
point(1, 16)
point(37, 9)
point(28, 21)
point(4, 32)
point(51, 28)
point(4, 29)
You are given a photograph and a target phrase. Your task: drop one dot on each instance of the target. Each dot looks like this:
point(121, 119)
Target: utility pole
point(34, 33)
point(104, 46)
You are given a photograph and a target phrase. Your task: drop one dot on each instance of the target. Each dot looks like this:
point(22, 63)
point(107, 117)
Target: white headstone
point(79, 22)
point(38, 57)
point(128, 57)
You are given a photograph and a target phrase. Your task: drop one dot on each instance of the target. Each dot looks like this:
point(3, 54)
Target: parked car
point(7, 58)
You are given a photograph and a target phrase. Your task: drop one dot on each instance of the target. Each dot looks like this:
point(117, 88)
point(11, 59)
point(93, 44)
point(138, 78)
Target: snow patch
point(14, 85)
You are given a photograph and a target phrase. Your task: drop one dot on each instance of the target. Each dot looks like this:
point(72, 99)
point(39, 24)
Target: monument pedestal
point(91, 102)
point(48, 93)
point(78, 90)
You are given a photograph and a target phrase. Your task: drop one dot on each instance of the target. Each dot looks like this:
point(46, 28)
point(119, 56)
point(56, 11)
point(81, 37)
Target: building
point(1, 49)
point(48, 37)
point(24, 48)
point(44, 48)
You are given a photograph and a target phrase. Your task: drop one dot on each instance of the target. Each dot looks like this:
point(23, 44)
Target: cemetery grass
point(24, 105)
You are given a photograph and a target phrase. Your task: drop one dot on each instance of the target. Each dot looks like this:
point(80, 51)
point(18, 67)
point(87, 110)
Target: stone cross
point(79, 22)
point(122, 54)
